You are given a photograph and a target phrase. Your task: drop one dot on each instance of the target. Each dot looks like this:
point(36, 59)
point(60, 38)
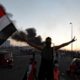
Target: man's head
point(48, 41)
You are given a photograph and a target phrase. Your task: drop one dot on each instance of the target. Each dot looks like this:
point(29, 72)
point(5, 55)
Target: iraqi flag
point(7, 28)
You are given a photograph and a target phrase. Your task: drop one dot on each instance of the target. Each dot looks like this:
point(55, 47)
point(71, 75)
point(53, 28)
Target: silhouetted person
point(46, 66)
point(32, 70)
point(56, 70)
point(33, 55)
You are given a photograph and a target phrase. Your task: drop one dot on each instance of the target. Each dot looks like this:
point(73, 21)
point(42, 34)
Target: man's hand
point(73, 39)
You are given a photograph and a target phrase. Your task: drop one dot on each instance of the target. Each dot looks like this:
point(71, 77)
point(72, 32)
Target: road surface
point(19, 68)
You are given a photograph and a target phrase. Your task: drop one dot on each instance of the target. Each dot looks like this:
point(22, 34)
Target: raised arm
point(65, 44)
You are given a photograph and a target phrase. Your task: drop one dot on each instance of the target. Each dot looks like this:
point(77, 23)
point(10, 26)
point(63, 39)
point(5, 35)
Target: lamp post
point(71, 35)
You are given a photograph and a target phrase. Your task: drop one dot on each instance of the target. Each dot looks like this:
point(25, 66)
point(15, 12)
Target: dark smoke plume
point(31, 32)
point(19, 36)
point(30, 36)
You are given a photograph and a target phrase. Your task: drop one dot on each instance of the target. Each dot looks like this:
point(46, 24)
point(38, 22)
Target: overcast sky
point(49, 17)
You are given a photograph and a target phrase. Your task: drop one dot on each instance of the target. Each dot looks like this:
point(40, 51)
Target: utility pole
point(71, 35)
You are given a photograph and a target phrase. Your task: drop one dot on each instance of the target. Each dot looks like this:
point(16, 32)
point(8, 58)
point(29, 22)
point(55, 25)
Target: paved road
point(19, 68)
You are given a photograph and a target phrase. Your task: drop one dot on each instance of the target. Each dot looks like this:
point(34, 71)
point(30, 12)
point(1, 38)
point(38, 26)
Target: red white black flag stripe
point(2, 11)
point(6, 26)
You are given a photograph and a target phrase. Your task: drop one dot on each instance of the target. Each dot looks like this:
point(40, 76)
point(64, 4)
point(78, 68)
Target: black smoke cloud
point(29, 34)
point(19, 36)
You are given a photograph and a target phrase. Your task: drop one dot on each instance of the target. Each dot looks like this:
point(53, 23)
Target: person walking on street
point(56, 71)
point(31, 75)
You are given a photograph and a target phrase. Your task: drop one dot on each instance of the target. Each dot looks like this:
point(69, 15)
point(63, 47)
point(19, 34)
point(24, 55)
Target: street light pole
point(71, 35)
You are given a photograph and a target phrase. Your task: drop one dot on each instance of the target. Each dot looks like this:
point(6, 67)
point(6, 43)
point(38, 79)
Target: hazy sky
point(49, 17)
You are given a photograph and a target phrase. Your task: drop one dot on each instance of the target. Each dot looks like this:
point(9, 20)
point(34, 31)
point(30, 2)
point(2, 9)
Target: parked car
point(6, 59)
point(74, 68)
